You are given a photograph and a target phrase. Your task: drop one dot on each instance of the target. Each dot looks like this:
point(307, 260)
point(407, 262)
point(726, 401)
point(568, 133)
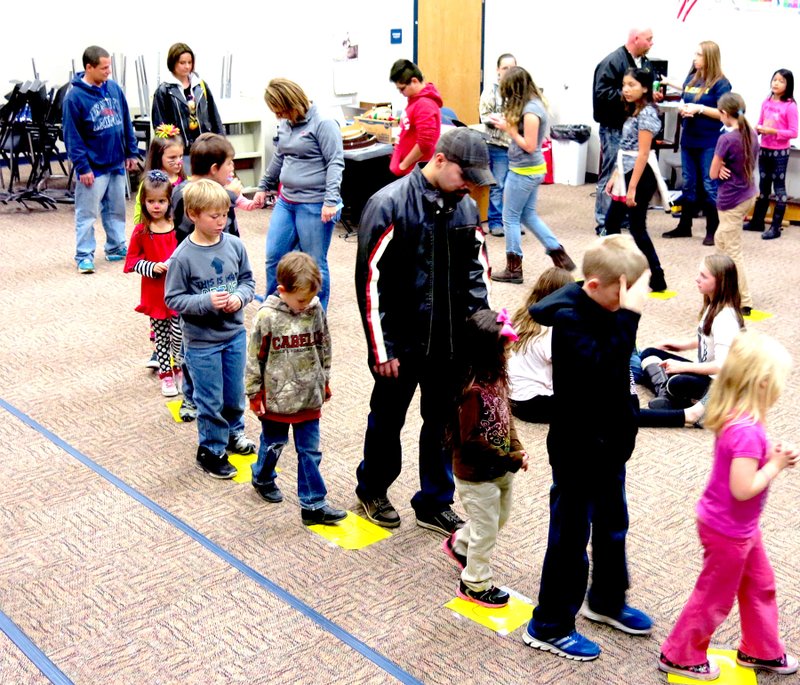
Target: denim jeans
point(695, 168)
point(583, 504)
point(218, 393)
point(519, 206)
point(383, 455)
point(106, 197)
point(609, 145)
point(298, 226)
point(311, 490)
point(498, 163)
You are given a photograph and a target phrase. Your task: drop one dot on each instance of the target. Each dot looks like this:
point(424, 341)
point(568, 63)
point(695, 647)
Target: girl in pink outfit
point(735, 563)
point(777, 126)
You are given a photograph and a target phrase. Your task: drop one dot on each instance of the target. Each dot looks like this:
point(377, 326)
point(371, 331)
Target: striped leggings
point(168, 343)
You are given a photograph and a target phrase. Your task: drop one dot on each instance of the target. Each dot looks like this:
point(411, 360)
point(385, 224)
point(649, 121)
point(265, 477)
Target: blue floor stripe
point(326, 624)
point(36, 655)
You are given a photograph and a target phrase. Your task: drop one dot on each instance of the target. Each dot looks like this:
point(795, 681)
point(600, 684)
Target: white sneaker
point(168, 388)
point(177, 376)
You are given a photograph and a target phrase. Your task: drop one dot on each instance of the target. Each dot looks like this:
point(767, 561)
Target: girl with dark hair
point(734, 164)
point(151, 247)
point(184, 100)
point(677, 382)
point(486, 454)
point(530, 366)
point(777, 125)
point(524, 119)
point(633, 182)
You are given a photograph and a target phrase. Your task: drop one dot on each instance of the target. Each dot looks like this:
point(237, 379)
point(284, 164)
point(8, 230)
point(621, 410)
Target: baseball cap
point(466, 147)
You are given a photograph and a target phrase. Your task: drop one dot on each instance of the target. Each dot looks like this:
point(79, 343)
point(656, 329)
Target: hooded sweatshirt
point(421, 125)
point(97, 128)
point(594, 419)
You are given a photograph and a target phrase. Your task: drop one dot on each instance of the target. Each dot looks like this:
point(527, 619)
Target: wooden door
point(449, 39)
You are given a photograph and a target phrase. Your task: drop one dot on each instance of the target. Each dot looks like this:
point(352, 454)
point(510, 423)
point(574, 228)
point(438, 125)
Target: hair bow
point(167, 131)
point(157, 176)
point(507, 331)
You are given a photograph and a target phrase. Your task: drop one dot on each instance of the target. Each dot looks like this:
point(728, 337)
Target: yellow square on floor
point(757, 315)
point(353, 532)
point(503, 621)
point(174, 406)
point(664, 295)
point(730, 672)
point(243, 464)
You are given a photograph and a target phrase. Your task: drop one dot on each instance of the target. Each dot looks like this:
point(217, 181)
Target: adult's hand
point(87, 179)
point(390, 369)
point(328, 213)
point(131, 164)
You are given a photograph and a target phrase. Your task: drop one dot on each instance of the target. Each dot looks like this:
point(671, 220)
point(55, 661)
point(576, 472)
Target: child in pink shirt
point(735, 563)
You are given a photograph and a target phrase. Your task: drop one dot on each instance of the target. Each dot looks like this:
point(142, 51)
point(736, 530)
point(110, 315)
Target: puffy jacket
point(608, 107)
point(170, 107)
point(405, 228)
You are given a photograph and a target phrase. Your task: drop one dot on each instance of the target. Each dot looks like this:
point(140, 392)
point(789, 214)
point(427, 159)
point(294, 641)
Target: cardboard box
point(372, 105)
point(382, 130)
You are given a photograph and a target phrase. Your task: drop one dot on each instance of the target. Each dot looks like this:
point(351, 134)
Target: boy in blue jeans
point(594, 331)
point(209, 282)
point(288, 369)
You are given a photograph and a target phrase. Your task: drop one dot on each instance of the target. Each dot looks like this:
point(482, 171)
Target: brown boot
point(561, 259)
point(513, 271)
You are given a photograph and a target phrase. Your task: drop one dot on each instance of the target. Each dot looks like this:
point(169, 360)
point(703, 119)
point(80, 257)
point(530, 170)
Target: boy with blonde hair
point(594, 330)
point(209, 282)
point(288, 370)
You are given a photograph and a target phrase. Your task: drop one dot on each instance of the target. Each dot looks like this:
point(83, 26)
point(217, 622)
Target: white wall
point(559, 43)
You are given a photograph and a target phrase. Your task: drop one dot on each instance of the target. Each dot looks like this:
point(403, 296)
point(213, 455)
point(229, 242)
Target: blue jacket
point(97, 128)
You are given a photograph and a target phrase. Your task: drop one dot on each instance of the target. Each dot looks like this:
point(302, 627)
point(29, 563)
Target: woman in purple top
point(777, 126)
point(735, 564)
point(734, 163)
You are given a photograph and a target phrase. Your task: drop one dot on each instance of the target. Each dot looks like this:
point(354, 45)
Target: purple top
point(735, 189)
point(718, 508)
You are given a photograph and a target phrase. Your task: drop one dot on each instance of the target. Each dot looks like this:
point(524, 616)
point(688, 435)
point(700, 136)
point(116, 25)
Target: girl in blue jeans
point(524, 119)
point(308, 164)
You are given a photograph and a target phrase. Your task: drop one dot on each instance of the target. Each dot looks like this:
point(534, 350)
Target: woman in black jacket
point(184, 100)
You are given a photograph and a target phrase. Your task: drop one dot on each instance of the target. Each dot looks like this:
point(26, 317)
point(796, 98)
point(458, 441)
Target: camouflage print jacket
point(289, 361)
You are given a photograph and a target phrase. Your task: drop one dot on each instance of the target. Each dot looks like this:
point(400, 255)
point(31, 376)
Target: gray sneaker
point(240, 444)
point(187, 411)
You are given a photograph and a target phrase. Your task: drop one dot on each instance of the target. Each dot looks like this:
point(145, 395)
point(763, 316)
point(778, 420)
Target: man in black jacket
point(609, 109)
point(421, 272)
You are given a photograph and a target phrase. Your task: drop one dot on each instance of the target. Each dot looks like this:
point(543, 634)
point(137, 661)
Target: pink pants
point(732, 568)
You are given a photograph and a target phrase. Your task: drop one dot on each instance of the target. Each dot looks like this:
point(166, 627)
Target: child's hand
point(234, 304)
point(235, 186)
point(160, 268)
point(630, 199)
point(524, 465)
point(673, 366)
point(257, 404)
point(632, 298)
point(219, 298)
point(787, 454)
point(724, 173)
point(500, 123)
point(610, 186)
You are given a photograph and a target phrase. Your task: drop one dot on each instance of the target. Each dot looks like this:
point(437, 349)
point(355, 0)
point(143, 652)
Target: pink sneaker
point(168, 388)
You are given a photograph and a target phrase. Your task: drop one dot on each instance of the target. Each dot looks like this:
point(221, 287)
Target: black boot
point(756, 222)
point(684, 227)
point(656, 379)
point(712, 222)
point(658, 283)
point(777, 220)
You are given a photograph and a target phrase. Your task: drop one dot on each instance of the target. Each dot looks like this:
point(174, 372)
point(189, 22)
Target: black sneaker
point(445, 522)
point(493, 597)
point(269, 492)
point(325, 516)
point(240, 444)
point(187, 411)
point(380, 511)
point(152, 363)
point(215, 465)
point(448, 549)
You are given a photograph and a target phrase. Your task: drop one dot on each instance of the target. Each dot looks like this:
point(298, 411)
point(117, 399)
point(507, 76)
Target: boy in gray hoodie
point(286, 379)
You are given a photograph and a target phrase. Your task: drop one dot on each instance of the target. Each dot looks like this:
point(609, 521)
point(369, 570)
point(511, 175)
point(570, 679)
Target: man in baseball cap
point(467, 149)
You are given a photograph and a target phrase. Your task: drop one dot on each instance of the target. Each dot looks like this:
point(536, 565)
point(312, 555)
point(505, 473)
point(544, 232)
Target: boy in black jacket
point(594, 330)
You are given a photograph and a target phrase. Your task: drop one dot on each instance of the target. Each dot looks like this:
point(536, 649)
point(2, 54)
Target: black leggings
point(683, 389)
point(538, 409)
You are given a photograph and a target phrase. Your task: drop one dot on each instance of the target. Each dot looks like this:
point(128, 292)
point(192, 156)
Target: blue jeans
point(107, 198)
point(383, 456)
point(218, 393)
point(519, 206)
point(695, 169)
point(298, 226)
point(609, 145)
point(498, 163)
point(311, 490)
point(583, 505)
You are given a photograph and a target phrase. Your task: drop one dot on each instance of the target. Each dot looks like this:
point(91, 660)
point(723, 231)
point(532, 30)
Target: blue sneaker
point(117, 256)
point(629, 620)
point(573, 646)
point(86, 266)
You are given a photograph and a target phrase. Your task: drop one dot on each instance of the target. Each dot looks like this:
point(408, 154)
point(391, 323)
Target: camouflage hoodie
point(289, 360)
